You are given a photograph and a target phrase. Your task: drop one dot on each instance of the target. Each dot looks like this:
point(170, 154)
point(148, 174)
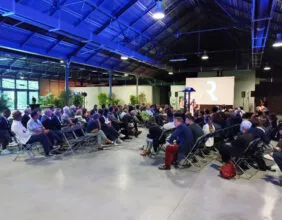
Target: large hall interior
point(140, 109)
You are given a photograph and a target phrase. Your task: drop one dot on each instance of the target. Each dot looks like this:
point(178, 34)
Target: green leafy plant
point(133, 100)
point(66, 97)
point(3, 102)
point(142, 98)
point(58, 103)
point(102, 98)
point(113, 100)
point(78, 100)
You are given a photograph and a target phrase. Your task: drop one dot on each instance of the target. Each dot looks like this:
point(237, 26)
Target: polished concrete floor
point(120, 184)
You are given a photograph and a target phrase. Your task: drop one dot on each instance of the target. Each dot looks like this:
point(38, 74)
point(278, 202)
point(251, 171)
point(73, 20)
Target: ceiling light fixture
point(124, 57)
point(159, 13)
point(61, 61)
point(278, 41)
point(205, 56)
point(170, 73)
point(126, 74)
point(178, 60)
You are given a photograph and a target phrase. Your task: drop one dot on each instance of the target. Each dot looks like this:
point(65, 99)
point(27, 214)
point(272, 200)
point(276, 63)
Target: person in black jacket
point(50, 122)
point(5, 131)
point(26, 116)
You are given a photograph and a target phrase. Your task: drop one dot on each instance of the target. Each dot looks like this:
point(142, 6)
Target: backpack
point(228, 170)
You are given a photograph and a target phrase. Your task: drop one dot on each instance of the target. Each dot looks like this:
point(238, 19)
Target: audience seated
point(50, 122)
point(277, 154)
point(197, 131)
point(35, 127)
point(94, 129)
point(184, 143)
point(237, 147)
point(66, 118)
point(26, 116)
point(110, 132)
point(209, 128)
point(5, 131)
point(24, 136)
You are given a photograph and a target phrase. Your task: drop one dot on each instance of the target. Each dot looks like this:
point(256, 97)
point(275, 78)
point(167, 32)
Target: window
point(21, 84)
point(8, 83)
point(19, 92)
point(10, 95)
point(22, 100)
point(33, 85)
point(33, 94)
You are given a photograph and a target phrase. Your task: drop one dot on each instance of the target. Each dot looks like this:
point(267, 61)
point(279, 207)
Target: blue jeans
point(43, 139)
point(278, 159)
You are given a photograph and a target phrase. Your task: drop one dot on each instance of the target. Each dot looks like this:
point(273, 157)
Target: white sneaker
point(121, 135)
point(5, 152)
point(268, 157)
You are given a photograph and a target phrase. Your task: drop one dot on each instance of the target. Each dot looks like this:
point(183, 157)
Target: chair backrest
point(252, 146)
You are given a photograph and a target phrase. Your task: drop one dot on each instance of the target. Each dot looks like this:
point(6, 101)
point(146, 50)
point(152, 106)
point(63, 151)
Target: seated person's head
point(245, 126)
point(17, 115)
point(58, 112)
point(214, 109)
point(125, 110)
point(7, 113)
point(103, 106)
point(66, 110)
point(189, 120)
point(27, 111)
point(48, 113)
point(111, 109)
point(178, 121)
point(78, 112)
point(34, 115)
point(100, 111)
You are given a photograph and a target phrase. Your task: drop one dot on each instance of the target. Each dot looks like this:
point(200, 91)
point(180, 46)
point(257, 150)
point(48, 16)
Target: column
point(67, 74)
point(110, 83)
point(137, 87)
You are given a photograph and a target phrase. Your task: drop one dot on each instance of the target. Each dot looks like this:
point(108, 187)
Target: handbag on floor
point(228, 170)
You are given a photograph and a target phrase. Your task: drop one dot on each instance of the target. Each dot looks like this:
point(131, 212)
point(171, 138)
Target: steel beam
point(34, 17)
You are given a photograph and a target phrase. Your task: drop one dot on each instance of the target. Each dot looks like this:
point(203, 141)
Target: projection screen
point(212, 90)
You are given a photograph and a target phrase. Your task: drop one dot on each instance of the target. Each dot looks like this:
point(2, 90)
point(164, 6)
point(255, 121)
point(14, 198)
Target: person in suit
point(184, 143)
point(50, 124)
point(26, 116)
point(5, 131)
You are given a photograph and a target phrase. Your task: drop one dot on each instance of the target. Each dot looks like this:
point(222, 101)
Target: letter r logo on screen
point(212, 90)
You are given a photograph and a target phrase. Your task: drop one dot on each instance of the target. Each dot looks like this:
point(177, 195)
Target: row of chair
point(74, 138)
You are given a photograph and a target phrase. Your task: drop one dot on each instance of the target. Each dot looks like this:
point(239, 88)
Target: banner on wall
point(212, 90)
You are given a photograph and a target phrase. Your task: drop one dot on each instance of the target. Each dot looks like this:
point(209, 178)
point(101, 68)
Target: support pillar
point(111, 83)
point(137, 87)
point(67, 71)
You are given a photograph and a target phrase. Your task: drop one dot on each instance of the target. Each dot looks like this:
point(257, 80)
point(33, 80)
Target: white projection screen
point(212, 90)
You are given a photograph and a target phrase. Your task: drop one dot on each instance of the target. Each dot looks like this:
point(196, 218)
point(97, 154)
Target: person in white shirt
point(208, 129)
point(24, 136)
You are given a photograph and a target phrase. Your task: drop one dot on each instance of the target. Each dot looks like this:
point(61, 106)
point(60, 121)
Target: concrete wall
point(245, 80)
point(121, 92)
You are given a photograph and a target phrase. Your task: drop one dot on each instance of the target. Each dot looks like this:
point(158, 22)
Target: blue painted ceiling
point(97, 32)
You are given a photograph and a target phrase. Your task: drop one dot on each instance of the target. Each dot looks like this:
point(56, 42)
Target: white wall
point(245, 80)
point(121, 92)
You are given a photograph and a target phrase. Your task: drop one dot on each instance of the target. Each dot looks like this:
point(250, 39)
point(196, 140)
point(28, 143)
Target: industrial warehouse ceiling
point(235, 34)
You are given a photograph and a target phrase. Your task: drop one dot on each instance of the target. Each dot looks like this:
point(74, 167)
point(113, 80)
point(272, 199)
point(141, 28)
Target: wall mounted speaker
point(176, 94)
point(253, 94)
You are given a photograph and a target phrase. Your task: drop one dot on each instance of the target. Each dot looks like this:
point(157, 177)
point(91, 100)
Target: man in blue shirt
point(184, 143)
